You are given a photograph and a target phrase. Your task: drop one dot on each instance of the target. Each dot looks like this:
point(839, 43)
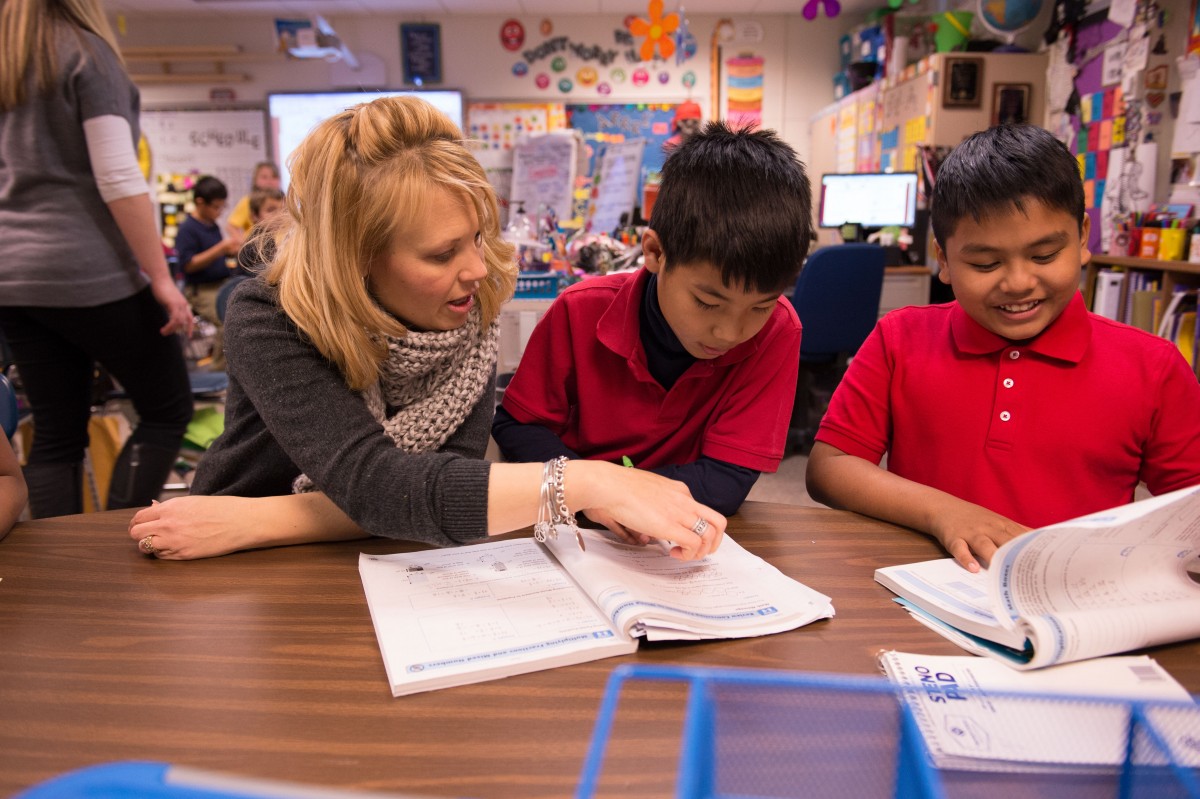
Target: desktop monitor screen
point(869, 199)
point(294, 115)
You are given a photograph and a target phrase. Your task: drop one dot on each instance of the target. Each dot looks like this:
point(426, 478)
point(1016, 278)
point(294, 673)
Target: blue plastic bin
point(149, 780)
point(756, 734)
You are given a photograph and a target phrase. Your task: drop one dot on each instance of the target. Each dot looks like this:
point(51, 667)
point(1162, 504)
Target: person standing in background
point(83, 278)
point(266, 178)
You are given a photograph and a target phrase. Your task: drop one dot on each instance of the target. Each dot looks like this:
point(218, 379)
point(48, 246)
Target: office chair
point(837, 300)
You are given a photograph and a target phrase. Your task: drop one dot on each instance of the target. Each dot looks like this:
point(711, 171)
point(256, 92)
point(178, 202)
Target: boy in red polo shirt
point(688, 366)
point(1013, 407)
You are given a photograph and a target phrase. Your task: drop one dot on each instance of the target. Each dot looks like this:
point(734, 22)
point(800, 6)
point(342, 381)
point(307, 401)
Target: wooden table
point(265, 664)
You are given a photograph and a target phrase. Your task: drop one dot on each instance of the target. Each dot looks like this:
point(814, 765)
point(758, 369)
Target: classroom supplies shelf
point(1175, 274)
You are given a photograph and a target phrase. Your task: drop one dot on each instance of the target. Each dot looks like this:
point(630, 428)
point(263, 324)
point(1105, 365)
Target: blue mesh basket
point(756, 734)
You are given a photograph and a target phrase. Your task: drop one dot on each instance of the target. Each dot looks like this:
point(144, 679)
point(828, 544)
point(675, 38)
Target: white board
point(223, 143)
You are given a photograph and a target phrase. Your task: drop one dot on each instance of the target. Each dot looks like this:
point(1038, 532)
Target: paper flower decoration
point(657, 30)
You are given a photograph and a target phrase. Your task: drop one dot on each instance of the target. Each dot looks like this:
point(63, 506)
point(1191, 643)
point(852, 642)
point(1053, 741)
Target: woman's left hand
point(186, 528)
point(179, 312)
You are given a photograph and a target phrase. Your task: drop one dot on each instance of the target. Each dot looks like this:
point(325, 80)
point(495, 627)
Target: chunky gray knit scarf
point(431, 381)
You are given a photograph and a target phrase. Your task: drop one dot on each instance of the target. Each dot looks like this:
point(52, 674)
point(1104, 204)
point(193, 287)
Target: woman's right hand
point(179, 312)
point(646, 504)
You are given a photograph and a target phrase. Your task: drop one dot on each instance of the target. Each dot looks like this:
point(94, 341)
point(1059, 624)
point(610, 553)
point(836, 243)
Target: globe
point(1009, 17)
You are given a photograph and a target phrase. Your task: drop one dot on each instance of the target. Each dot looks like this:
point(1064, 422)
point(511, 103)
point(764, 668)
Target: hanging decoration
point(547, 27)
point(512, 34)
point(832, 8)
point(657, 29)
point(745, 90)
point(685, 42)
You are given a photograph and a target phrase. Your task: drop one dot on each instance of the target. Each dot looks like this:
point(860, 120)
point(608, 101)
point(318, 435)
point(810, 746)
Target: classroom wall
point(800, 60)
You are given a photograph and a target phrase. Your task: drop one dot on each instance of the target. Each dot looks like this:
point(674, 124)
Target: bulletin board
point(226, 143)
point(653, 122)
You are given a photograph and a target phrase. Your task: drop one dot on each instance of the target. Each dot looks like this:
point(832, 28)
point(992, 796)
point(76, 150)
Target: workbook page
point(1105, 583)
point(452, 616)
point(729, 594)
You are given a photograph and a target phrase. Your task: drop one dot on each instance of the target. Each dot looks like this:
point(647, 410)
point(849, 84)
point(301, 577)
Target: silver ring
point(147, 545)
point(700, 526)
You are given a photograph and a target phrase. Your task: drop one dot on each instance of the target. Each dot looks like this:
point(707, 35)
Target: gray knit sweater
point(288, 411)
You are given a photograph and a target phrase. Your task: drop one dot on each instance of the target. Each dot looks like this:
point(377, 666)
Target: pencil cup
point(1150, 239)
point(1171, 243)
point(1134, 242)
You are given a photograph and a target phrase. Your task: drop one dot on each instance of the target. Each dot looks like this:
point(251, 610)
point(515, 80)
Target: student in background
point(1012, 407)
point(362, 367)
point(202, 248)
point(13, 493)
point(688, 366)
point(83, 278)
point(264, 205)
point(266, 178)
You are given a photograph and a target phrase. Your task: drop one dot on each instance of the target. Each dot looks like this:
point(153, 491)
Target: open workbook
point(1110, 582)
point(448, 617)
point(976, 714)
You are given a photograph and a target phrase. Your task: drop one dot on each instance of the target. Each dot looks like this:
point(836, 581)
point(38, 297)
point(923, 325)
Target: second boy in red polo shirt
point(1013, 407)
point(688, 367)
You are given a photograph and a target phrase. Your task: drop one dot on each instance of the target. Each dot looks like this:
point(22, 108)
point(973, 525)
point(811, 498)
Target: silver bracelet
point(554, 484)
point(543, 528)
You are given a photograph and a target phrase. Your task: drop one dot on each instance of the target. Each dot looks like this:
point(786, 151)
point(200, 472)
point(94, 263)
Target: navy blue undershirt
point(721, 485)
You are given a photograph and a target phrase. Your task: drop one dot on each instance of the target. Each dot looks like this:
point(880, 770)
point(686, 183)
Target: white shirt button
point(1008, 382)
point(1014, 354)
point(1005, 416)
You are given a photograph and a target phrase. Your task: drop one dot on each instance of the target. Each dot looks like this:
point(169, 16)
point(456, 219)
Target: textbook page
point(1105, 583)
point(729, 594)
point(448, 617)
point(968, 724)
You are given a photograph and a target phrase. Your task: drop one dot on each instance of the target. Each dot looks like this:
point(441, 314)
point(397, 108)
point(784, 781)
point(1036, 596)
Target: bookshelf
point(1173, 273)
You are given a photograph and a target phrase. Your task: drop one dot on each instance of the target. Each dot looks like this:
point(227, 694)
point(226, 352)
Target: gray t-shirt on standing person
point(61, 246)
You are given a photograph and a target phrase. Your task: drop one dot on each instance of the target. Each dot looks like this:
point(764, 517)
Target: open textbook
point(448, 617)
point(977, 714)
point(1110, 582)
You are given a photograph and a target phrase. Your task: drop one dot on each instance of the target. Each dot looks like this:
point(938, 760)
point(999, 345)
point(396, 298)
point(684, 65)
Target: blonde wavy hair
point(27, 39)
point(356, 181)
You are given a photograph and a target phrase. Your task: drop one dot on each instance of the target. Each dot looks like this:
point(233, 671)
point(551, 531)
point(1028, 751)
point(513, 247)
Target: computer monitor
point(293, 115)
point(869, 199)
